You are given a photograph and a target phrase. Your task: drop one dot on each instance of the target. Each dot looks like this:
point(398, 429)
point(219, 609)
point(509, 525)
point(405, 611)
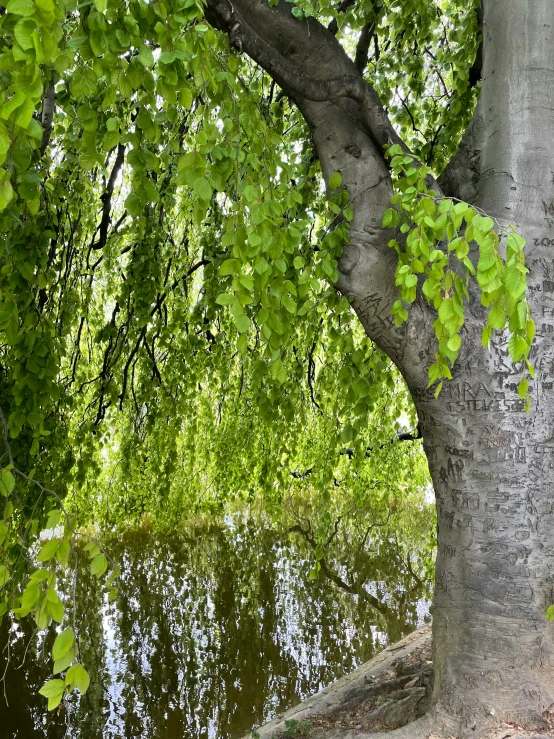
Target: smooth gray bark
point(492, 464)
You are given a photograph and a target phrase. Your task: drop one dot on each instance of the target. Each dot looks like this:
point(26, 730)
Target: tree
point(165, 227)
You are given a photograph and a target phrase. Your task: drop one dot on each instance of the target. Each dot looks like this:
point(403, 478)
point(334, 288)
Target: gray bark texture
point(492, 464)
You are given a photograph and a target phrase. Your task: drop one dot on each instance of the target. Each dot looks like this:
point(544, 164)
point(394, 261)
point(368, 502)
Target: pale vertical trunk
point(492, 463)
point(493, 472)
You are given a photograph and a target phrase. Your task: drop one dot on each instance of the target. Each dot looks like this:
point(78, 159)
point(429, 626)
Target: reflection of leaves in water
point(214, 630)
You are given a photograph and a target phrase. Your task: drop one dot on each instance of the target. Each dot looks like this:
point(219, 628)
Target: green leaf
point(40, 575)
point(7, 482)
point(550, 613)
point(21, 7)
point(224, 299)
point(145, 56)
point(23, 32)
point(4, 144)
point(242, 323)
point(497, 317)
point(53, 690)
point(48, 550)
point(56, 610)
point(12, 104)
point(53, 519)
point(515, 282)
point(250, 193)
point(4, 575)
point(203, 188)
point(229, 267)
point(390, 218)
point(515, 241)
point(3, 531)
point(78, 677)
point(133, 205)
point(63, 663)
point(62, 555)
point(247, 281)
point(261, 266)
point(482, 225)
point(278, 371)
point(289, 304)
point(92, 548)
point(30, 596)
point(523, 387)
point(6, 193)
point(25, 113)
point(517, 347)
point(98, 565)
point(446, 310)
point(63, 643)
point(454, 342)
point(335, 180)
point(185, 98)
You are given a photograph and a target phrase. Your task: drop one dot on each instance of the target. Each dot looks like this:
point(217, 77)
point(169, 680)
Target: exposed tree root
point(395, 699)
point(389, 698)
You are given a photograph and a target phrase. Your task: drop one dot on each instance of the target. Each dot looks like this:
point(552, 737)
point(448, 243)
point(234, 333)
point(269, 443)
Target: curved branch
point(362, 47)
point(242, 37)
point(333, 27)
point(331, 575)
point(107, 199)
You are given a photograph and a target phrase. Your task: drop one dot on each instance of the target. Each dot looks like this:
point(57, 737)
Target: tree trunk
point(491, 462)
point(492, 469)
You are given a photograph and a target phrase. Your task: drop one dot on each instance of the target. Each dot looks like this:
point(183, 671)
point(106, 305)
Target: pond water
point(214, 631)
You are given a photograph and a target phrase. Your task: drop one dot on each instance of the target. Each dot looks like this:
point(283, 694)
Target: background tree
point(167, 250)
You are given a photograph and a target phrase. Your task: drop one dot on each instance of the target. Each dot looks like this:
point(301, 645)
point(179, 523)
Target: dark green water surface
point(214, 631)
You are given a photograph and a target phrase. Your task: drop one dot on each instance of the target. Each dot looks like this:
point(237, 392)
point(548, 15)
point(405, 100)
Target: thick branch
point(47, 118)
point(461, 177)
point(333, 27)
point(400, 436)
point(315, 89)
point(362, 48)
point(349, 129)
point(349, 451)
point(107, 199)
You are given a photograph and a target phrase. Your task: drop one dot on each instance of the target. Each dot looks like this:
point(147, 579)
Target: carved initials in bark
point(492, 464)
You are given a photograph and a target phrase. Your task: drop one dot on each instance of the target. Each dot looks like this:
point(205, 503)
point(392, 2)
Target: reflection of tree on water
point(213, 631)
point(369, 561)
